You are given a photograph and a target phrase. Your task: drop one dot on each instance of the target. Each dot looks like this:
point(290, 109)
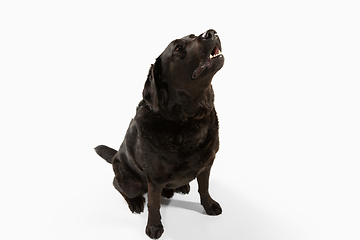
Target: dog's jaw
point(215, 56)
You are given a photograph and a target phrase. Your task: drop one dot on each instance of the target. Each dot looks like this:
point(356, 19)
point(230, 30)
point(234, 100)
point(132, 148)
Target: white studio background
point(72, 73)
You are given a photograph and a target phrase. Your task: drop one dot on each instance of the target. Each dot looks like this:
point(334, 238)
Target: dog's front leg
point(154, 228)
point(210, 205)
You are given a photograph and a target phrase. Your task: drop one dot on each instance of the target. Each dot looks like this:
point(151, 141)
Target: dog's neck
point(185, 106)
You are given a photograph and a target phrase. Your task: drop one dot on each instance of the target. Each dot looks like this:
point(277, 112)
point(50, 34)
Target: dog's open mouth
point(215, 54)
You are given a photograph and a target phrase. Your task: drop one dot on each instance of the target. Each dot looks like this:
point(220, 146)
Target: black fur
point(173, 137)
point(105, 152)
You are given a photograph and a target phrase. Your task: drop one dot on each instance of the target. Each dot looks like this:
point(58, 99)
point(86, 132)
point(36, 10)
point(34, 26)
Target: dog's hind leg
point(136, 204)
point(130, 187)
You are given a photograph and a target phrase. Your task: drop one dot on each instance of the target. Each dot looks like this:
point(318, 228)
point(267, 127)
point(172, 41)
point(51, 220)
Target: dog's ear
point(153, 92)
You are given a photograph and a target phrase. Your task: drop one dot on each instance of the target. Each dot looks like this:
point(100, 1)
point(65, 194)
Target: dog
point(173, 137)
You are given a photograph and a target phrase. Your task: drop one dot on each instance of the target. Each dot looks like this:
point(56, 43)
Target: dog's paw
point(183, 189)
point(154, 231)
point(213, 208)
point(168, 193)
point(136, 205)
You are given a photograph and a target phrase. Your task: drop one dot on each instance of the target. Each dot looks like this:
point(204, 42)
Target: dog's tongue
point(215, 51)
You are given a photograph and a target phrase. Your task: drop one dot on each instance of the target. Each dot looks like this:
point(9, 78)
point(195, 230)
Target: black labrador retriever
point(174, 136)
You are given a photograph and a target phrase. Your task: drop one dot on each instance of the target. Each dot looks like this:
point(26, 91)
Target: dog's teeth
point(212, 56)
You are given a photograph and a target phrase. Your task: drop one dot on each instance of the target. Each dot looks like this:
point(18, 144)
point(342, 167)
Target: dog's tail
point(105, 152)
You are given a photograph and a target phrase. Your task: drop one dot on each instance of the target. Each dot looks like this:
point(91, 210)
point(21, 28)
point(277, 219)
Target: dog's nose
point(209, 34)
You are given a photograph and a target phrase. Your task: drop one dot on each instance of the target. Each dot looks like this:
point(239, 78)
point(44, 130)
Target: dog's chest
point(188, 154)
point(177, 171)
point(184, 141)
point(174, 152)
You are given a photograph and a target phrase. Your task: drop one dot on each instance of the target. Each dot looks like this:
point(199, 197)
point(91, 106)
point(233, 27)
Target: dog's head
point(187, 65)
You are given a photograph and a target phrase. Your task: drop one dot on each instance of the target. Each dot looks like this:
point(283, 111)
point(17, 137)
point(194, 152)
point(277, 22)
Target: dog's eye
point(177, 48)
